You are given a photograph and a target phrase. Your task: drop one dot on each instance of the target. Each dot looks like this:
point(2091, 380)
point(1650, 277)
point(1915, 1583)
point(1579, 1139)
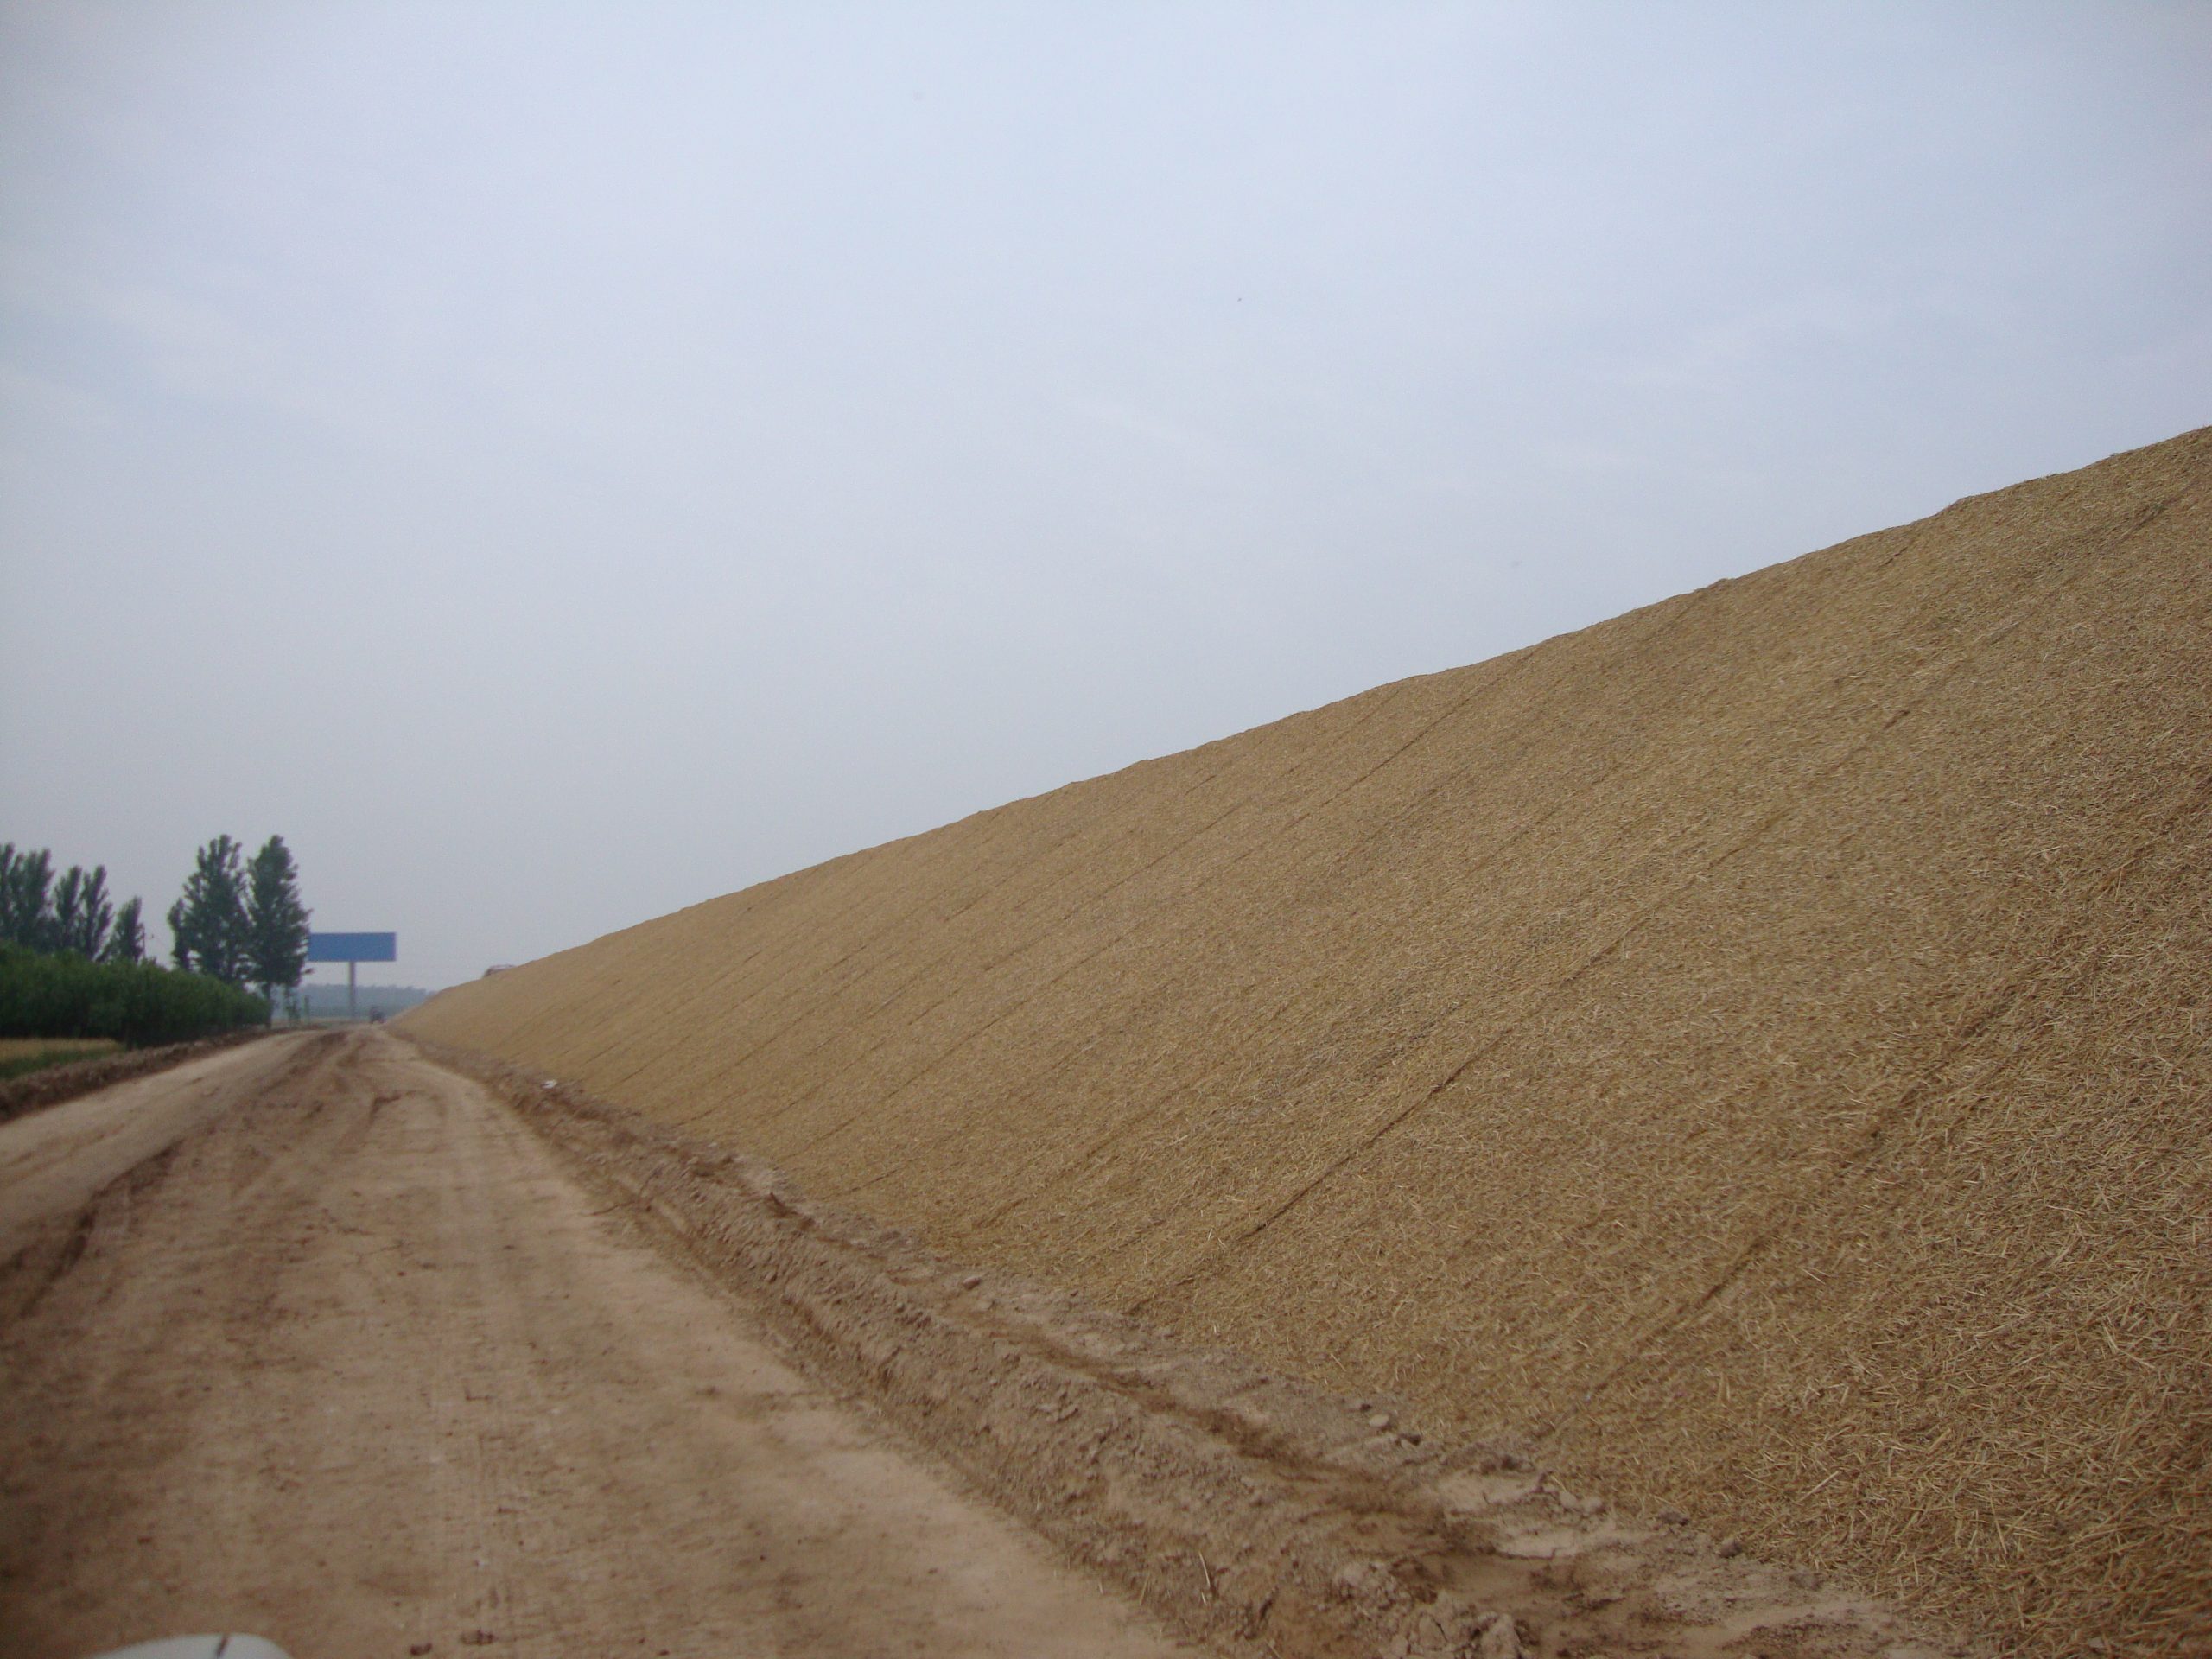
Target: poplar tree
point(275, 921)
point(82, 912)
point(208, 921)
point(26, 898)
point(126, 940)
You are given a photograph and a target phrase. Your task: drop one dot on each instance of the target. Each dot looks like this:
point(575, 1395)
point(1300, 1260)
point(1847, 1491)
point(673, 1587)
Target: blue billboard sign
point(352, 947)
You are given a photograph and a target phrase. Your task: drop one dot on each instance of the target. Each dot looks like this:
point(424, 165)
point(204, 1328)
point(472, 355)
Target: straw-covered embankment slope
point(1758, 1047)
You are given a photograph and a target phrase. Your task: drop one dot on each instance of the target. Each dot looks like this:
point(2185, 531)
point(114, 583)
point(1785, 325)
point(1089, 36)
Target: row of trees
point(238, 921)
point(74, 913)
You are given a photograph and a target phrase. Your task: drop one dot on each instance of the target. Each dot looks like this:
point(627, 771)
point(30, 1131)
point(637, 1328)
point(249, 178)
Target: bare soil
point(313, 1339)
point(100, 1066)
point(326, 1341)
point(322, 1339)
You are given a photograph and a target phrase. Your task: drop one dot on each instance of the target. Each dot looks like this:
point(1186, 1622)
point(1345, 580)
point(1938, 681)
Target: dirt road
point(315, 1339)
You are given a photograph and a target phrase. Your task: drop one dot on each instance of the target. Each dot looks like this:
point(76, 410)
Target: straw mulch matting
point(1760, 1048)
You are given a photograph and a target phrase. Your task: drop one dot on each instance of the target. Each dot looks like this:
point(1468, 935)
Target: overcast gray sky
point(557, 463)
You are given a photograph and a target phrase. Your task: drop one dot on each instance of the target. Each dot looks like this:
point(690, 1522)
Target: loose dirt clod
point(1752, 1051)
